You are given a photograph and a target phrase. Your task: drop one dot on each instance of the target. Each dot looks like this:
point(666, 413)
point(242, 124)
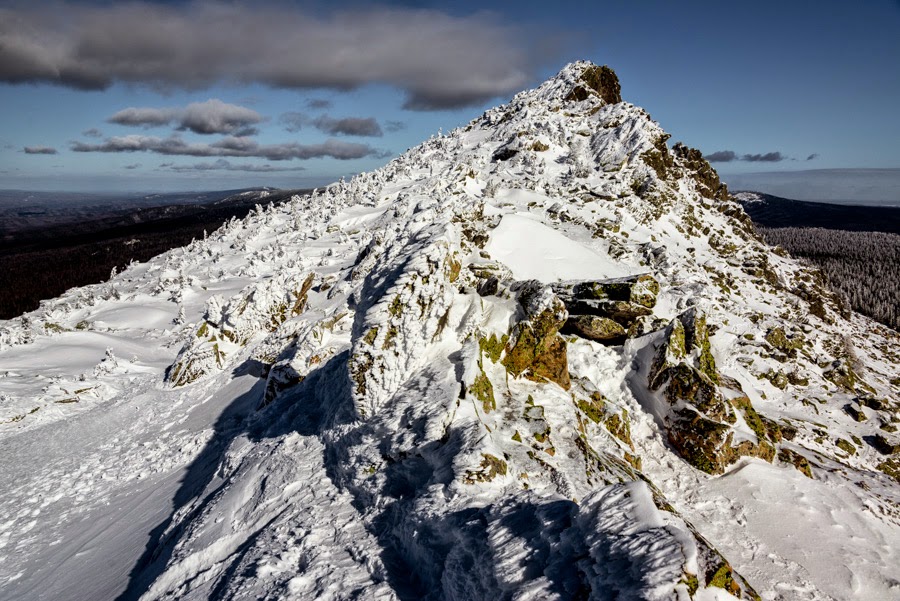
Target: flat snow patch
point(534, 251)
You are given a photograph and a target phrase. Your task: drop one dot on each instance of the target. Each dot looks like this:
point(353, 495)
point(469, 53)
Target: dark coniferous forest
point(863, 267)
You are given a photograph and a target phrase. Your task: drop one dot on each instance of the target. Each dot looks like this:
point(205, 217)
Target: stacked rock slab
point(608, 311)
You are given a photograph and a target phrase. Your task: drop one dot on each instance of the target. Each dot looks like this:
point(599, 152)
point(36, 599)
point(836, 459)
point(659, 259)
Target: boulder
point(598, 329)
point(855, 411)
point(887, 444)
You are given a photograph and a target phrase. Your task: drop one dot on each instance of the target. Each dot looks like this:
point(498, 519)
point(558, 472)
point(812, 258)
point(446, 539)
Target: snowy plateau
point(544, 356)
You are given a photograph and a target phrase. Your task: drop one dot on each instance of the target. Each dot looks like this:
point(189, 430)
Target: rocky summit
point(544, 356)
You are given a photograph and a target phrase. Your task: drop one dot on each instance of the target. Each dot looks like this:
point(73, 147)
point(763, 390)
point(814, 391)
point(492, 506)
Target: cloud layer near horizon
point(230, 147)
point(441, 61)
point(224, 165)
point(728, 156)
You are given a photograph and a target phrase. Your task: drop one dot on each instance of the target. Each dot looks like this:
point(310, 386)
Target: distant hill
point(98, 233)
point(773, 211)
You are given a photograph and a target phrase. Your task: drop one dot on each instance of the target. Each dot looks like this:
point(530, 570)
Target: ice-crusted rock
point(260, 308)
point(701, 417)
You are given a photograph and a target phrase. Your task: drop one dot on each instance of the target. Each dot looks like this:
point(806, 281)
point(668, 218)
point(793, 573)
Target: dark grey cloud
point(728, 156)
point(440, 60)
point(210, 117)
point(769, 157)
point(348, 126)
point(225, 165)
point(133, 166)
point(722, 156)
point(814, 155)
point(394, 126)
point(317, 104)
point(341, 126)
point(39, 150)
point(231, 147)
point(92, 133)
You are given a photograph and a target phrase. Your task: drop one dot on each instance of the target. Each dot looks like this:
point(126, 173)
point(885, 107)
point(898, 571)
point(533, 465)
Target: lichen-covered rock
point(783, 342)
point(598, 329)
point(535, 348)
point(644, 325)
point(702, 442)
point(700, 425)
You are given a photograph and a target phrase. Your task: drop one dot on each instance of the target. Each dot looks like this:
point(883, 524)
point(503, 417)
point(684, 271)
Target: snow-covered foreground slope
point(542, 357)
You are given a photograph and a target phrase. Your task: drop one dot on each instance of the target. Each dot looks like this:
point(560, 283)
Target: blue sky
point(298, 94)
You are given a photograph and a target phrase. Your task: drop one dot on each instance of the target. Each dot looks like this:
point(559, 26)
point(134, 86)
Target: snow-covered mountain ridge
point(543, 356)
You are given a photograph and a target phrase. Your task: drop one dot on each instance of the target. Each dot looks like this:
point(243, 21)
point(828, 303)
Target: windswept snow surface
point(316, 403)
point(534, 251)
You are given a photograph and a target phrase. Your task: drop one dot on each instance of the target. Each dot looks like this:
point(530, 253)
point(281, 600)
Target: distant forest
point(863, 267)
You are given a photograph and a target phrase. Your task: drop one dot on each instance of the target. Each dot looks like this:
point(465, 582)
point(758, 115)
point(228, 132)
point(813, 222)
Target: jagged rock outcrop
point(701, 417)
point(535, 348)
point(435, 419)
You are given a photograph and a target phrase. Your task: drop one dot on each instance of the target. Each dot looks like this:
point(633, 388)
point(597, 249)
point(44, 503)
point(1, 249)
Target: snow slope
point(337, 397)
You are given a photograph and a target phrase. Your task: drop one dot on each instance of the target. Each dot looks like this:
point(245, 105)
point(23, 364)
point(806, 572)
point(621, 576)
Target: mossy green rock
point(483, 390)
point(598, 329)
point(641, 290)
point(535, 349)
point(723, 577)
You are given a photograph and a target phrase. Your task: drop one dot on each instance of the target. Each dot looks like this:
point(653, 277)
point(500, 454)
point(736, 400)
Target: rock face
point(535, 348)
point(700, 419)
point(601, 81)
